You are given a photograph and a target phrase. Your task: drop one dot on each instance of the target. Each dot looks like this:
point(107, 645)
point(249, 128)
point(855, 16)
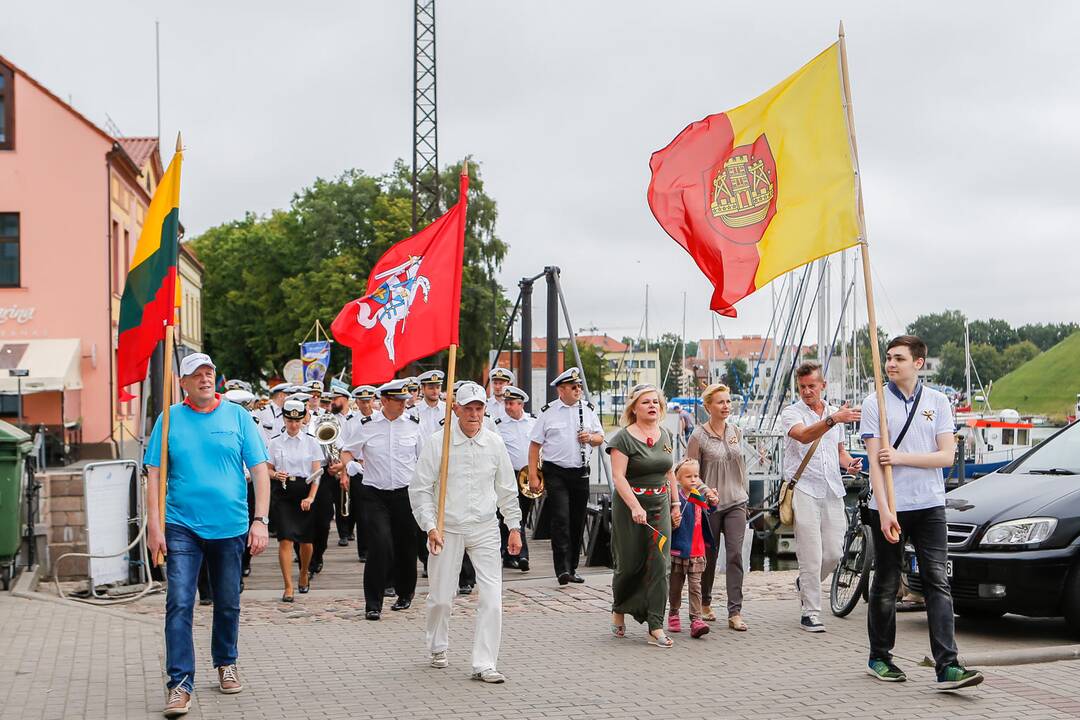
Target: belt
point(649, 491)
point(557, 466)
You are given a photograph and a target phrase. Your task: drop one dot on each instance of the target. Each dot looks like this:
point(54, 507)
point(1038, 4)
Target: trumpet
point(327, 431)
point(523, 478)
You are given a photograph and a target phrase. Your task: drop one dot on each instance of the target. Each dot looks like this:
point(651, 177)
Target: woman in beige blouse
point(715, 445)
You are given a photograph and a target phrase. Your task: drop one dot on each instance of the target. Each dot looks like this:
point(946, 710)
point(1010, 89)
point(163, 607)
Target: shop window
point(9, 405)
point(7, 108)
point(9, 249)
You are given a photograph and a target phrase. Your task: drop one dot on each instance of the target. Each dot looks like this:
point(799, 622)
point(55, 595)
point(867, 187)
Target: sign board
point(106, 488)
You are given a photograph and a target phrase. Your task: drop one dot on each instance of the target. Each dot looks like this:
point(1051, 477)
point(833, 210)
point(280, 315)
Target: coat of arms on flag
point(392, 300)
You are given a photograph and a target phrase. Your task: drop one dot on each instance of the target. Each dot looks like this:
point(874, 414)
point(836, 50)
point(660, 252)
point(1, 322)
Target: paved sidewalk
point(319, 658)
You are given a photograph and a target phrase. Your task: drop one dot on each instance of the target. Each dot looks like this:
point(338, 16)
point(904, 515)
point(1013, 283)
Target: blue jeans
point(186, 552)
point(926, 530)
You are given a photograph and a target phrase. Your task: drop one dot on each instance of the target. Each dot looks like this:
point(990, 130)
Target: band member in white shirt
point(480, 481)
point(389, 442)
point(499, 378)
point(566, 431)
point(430, 408)
point(515, 427)
point(295, 459)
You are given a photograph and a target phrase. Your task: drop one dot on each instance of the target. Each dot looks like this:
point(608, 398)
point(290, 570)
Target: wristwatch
point(829, 422)
point(264, 519)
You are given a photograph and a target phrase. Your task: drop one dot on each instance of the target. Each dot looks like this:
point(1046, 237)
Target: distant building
point(73, 199)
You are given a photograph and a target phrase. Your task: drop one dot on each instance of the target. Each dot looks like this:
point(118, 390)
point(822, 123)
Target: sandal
point(707, 614)
point(735, 622)
point(661, 641)
point(618, 630)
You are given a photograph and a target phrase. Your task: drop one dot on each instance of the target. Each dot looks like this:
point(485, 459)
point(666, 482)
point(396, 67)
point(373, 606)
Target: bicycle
point(851, 579)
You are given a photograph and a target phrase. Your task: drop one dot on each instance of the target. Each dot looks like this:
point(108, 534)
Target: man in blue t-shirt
point(918, 514)
point(206, 517)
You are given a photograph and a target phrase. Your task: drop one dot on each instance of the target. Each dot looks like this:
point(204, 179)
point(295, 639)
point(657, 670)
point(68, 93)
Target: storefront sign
point(21, 315)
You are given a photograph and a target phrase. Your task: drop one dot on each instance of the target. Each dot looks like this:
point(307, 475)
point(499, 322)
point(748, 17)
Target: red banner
point(412, 303)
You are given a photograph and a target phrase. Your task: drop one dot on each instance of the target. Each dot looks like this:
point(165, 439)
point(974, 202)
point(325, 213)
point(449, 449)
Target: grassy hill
point(1046, 384)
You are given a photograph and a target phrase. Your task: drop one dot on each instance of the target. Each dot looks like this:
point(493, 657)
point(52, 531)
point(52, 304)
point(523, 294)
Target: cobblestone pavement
point(320, 659)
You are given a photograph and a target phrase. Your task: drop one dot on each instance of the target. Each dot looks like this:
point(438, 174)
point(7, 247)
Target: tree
point(737, 376)
point(951, 369)
point(1048, 335)
point(1017, 354)
point(936, 329)
point(593, 365)
point(994, 332)
point(268, 278)
point(670, 348)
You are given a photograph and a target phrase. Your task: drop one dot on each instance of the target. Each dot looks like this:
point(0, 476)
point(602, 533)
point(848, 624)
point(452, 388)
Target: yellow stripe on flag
point(166, 199)
point(804, 120)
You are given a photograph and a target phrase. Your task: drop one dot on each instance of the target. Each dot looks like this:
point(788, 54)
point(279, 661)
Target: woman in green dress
point(645, 495)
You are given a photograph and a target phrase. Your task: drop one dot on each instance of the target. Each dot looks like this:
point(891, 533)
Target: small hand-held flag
point(658, 537)
point(756, 191)
point(697, 498)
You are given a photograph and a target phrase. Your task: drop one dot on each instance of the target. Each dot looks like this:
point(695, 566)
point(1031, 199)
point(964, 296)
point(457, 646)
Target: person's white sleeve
point(869, 426)
point(422, 488)
point(943, 418)
point(354, 468)
point(789, 418)
point(421, 443)
point(537, 434)
point(506, 490)
point(594, 423)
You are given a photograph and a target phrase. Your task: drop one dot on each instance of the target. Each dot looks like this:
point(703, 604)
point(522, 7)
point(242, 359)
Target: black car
point(1014, 536)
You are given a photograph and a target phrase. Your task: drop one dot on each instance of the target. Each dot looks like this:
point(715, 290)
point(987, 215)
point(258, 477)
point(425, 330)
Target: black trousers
point(526, 505)
point(567, 499)
point(926, 530)
point(346, 524)
point(246, 562)
point(391, 533)
point(323, 514)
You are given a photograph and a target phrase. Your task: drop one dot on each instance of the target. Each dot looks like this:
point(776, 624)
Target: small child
point(688, 543)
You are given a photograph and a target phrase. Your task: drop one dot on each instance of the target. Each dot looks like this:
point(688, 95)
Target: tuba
point(327, 431)
point(523, 478)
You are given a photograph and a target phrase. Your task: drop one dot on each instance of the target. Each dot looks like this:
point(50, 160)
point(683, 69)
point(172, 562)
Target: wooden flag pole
point(451, 371)
point(871, 316)
point(166, 401)
point(444, 465)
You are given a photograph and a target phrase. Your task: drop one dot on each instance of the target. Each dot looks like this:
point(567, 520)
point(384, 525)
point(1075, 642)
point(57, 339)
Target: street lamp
point(19, 373)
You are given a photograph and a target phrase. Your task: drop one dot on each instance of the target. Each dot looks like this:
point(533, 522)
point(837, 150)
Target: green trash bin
point(15, 445)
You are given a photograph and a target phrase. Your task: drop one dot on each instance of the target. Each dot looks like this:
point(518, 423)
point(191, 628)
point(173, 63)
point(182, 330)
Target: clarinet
point(581, 429)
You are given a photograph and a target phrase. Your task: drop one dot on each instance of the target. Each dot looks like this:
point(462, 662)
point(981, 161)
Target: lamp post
point(19, 373)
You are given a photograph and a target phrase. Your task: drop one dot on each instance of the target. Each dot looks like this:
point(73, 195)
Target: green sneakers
point(885, 671)
point(955, 677)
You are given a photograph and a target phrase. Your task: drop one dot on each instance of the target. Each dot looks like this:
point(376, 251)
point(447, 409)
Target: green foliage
point(592, 365)
point(1046, 336)
point(994, 332)
point(670, 349)
point(1047, 384)
point(990, 364)
point(1017, 354)
point(737, 376)
point(936, 329)
point(268, 279)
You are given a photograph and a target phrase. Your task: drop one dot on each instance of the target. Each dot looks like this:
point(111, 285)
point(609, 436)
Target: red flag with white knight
point(412, 303)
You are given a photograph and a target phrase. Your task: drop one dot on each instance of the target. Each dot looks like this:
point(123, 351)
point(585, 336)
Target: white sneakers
point(491, 675)
point(438, 659)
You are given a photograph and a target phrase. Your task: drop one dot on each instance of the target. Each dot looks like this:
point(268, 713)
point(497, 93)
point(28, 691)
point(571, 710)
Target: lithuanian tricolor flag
point(756, 191)
point(151, 290)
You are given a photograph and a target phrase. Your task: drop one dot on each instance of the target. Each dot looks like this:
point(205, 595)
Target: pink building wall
point(57, 179)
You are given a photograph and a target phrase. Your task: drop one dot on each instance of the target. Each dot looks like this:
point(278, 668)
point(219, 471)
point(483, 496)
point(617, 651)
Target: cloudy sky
point(966, 114)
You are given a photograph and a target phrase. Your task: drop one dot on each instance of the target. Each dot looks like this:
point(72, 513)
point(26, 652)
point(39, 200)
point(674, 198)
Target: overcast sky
point(967, 117)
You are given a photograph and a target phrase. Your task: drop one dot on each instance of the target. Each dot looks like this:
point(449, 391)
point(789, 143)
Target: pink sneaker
point(674, 624)
point(698, 628)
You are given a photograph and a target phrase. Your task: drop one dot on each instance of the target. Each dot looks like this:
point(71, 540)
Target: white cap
point(470, 392)
point(294, 409)
point(499, 373)
point(239, 396)
point(193, 362)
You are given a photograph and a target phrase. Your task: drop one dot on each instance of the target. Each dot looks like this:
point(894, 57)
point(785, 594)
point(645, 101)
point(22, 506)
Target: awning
point(52, 364)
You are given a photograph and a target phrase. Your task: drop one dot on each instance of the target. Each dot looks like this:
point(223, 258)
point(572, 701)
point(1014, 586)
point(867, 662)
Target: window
point(1007, 436)
point(9, 405)
point(118, 274)
point(7, 108)
point(9, 249)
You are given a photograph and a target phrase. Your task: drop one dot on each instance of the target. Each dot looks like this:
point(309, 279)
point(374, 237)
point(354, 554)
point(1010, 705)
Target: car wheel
point(1070, 603)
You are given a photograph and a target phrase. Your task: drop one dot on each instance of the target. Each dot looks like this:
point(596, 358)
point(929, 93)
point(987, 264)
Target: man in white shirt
point(917, 459)
point(818, 502)
point(430, 408)
point(566, 431)
point(389, 442)
point(480, 481)
point(500, 379)
point(515, 428)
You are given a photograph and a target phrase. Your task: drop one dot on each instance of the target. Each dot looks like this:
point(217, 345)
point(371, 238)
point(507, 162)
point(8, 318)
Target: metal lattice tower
point(425, 167)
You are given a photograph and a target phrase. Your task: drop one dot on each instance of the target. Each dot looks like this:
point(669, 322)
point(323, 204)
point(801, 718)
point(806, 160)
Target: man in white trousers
point(480, 480)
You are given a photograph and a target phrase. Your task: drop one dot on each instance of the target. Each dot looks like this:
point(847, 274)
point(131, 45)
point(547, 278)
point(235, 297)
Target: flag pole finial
point(841, 34)
point(465, 166)
point(179, 144)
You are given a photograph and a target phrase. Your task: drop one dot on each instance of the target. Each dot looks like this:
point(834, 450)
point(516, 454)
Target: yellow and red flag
point(756, 191)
